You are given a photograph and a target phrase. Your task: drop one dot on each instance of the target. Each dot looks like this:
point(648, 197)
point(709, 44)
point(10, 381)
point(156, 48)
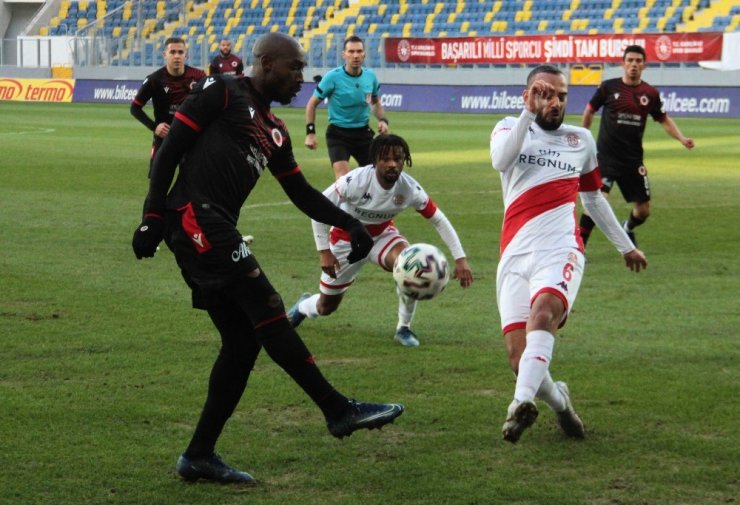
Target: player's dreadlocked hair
point(382, 144)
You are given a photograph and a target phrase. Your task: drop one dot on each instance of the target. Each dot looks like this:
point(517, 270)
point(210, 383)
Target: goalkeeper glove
point(361, 241)
point(148, 236)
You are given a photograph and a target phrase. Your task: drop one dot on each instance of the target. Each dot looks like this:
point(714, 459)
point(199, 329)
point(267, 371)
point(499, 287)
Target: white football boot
point(568, 420)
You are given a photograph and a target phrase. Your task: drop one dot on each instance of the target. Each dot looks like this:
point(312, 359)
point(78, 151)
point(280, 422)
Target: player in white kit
point(375, 194)
point(544, 165)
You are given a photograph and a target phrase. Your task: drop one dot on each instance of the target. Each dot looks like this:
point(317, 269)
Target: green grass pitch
point(103, 364)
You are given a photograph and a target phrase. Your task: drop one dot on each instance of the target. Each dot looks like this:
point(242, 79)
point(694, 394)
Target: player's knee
point(545, 319)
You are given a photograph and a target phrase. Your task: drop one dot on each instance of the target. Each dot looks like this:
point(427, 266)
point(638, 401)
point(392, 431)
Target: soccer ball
point(421, 271)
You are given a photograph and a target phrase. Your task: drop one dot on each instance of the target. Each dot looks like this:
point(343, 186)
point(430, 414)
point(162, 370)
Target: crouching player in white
point(544, 164)
point(375, 194)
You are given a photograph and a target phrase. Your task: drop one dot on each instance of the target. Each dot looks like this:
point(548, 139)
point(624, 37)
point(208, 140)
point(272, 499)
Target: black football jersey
point(239, 137)
point(167, 91)
point(623, 119)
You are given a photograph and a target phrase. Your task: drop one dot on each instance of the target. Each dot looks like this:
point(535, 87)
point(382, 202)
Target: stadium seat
point(209, 20)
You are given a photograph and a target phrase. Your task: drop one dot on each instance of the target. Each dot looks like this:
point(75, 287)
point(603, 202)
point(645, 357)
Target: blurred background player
point(225, 62)
point(627, 102)
point(167, 88)
point(352, 91)
point(544, 164)
point(197, 217)
point(375, 194)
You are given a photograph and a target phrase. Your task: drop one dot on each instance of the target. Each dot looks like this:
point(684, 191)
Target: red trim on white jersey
point(534, 202)
point(429, 210)
point(337, 234)
point(590, 181)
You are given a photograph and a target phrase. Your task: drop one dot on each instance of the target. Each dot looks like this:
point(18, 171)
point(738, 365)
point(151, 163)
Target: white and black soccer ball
point(421, 271)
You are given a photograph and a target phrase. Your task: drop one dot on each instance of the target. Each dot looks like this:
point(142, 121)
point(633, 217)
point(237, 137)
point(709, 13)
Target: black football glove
point(148, 236)
point(361, 241)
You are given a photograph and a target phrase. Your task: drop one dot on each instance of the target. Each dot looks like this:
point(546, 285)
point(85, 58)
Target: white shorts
point(347, 273)
point(521, 277)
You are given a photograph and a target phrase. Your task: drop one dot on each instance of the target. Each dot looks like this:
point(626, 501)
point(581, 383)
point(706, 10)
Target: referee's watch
point(310, 128)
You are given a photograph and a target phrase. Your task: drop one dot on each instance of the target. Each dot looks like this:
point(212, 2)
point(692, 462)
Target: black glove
point(148, 236)
point(361, 241)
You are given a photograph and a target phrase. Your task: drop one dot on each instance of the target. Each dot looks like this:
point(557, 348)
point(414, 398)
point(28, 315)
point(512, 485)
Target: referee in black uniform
point(224, 137)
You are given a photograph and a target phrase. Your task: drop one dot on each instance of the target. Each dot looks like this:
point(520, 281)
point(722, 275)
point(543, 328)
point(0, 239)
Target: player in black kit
point(226, 62)
point(224, 137)
point(627, 102)
point(167, 88)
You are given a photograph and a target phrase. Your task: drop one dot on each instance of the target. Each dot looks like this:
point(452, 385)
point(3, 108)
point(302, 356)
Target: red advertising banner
point(660, 47)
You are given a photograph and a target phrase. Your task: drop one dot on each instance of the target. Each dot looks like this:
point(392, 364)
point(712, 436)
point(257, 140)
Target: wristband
point(384, 120)
point(310, 128)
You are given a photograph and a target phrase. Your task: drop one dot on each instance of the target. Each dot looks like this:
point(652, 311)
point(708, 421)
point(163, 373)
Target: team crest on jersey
point(166, 89)
point(398, 200)
point(644, 100)
point(277, 137)
point(572, 139)
point(616, 96)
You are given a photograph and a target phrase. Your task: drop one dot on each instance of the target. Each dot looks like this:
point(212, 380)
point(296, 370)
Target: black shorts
point(209, 251)
point(632, 179)
point(346, 142)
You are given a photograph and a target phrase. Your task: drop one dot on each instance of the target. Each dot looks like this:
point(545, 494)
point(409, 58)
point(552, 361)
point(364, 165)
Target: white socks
point(406, 310)
point(533, 366)
point(308, 306)
point(550, 394)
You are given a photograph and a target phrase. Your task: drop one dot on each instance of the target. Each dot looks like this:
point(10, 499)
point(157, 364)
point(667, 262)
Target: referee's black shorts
point(346, 142)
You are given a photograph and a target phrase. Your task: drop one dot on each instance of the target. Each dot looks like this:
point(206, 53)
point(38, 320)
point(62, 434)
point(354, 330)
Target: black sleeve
point(312, 202)
point(200, 108)
point(144, 94)
point(597, 100)
point(138, 112)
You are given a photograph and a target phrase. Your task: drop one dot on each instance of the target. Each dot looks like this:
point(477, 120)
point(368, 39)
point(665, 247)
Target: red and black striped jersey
point(227, 65)
point(238, 137)
point(623, 119)
point(166, 92)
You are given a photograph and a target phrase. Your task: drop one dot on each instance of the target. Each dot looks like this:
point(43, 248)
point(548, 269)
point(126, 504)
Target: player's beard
point(547, 122)
point(391, 177)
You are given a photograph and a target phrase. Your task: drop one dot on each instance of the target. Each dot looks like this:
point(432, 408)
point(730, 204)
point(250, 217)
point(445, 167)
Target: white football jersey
point(360, 195)
point(542, 172)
